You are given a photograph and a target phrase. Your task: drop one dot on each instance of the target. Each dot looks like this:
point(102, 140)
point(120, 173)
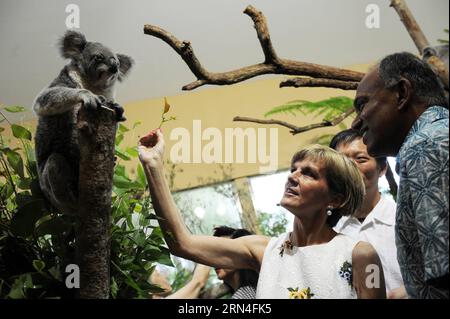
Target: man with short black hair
point(402, 111)
point(374, 222)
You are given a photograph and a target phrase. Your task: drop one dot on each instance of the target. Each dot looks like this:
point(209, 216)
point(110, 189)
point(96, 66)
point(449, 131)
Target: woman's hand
point(151, 148)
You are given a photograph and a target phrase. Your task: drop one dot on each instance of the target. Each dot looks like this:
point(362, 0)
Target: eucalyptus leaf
point(39, 265)
point(14, 109)
point(21, 132)
point(122, 154)
point(16, 162)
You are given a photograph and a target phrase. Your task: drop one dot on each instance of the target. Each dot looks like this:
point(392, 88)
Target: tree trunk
point(96, 134)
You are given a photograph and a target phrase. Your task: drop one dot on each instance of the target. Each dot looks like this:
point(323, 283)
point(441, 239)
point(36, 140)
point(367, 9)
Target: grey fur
point(87, 81)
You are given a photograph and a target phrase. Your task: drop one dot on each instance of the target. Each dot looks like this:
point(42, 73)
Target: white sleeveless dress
point(313, 272)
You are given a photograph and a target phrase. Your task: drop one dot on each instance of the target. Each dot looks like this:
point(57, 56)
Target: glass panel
point(203, 209)
point(207, 207)
point(267, 191)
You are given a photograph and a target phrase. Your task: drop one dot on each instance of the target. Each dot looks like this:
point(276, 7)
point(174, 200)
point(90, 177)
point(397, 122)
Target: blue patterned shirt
point(422, 204)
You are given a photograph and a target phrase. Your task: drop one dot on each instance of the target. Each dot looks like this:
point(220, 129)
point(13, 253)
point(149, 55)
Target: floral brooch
point(346, 272)
point(286, 245)
point(304, 293)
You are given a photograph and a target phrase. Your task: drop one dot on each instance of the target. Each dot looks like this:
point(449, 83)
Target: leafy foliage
point(37, 242)
point(328, 109)
point(272, 225)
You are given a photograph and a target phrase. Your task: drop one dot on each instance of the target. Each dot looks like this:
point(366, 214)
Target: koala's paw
point(118, 109)
point(91, 101)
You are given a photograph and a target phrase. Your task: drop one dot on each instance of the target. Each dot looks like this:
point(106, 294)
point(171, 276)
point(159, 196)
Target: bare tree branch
point(310, 82)
point(420, 40)
point(262, 31)
point(271, 65)
point(411, 24)
point(297, 129)
point(266, 122)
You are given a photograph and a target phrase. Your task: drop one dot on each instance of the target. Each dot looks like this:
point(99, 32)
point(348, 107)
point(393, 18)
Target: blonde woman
point(312, 261)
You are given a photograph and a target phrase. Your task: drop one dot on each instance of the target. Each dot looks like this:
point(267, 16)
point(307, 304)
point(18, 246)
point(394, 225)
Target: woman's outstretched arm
point(240, 253)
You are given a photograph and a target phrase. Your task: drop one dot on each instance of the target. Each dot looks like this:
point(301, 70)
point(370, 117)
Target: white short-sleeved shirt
point(378, 228)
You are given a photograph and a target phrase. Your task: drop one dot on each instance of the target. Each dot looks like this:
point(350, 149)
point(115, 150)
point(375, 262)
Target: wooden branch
point(310, 82)
point(421, 42)
point(96, 133)
point(266, 122)
point(411, 24)
point(262, 31)
point(271, 65)
point(297, 129)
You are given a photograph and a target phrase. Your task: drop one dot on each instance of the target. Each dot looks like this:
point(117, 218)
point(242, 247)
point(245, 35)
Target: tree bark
point(310, 82)
point(96, 134)
point(294, 130)
point(420, 40)
point(411, 24)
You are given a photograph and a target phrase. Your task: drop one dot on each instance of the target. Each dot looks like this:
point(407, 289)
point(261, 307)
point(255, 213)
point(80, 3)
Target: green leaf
point(136, 124)
point(114, 288)
point(129, 281)
point(137, 208)
point(120, 170)
point(123, 182)
point(119, 139)
point(24, 183)
point(16, 162)
point(141, 179)
point(39, 265)
point(14, 109)
point(17, 289)
point(329, 108)
point(7, 191)
point(123, 128)
point(26, 216)
point(121, 154)
point(20, 132)
point(133, 151)
point(164, 258)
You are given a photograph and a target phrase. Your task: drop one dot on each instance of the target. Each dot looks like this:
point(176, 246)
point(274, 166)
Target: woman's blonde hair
point(343, 177)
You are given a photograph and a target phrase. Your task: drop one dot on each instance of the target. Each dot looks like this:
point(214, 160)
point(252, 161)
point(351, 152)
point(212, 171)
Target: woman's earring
point(329, 212)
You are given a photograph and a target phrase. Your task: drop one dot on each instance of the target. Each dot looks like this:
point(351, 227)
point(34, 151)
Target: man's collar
point(380, 212)
point(431, 114)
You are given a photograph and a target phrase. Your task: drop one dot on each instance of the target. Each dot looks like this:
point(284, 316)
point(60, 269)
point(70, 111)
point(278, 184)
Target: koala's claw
point(119, 111)
point(92, 101)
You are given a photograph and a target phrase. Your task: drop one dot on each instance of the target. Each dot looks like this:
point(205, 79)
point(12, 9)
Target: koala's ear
point(72, 44)
point(126, 63)
point(428, 52)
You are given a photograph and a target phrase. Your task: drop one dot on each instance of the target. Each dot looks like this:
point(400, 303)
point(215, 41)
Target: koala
point(441, 51)
point(87, 81)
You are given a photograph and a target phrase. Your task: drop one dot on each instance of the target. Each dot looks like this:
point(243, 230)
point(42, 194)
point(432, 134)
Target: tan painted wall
point(216, 107)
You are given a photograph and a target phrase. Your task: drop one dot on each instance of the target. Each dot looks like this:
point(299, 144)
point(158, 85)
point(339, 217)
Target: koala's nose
point(113, 68)
point(113, 65)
